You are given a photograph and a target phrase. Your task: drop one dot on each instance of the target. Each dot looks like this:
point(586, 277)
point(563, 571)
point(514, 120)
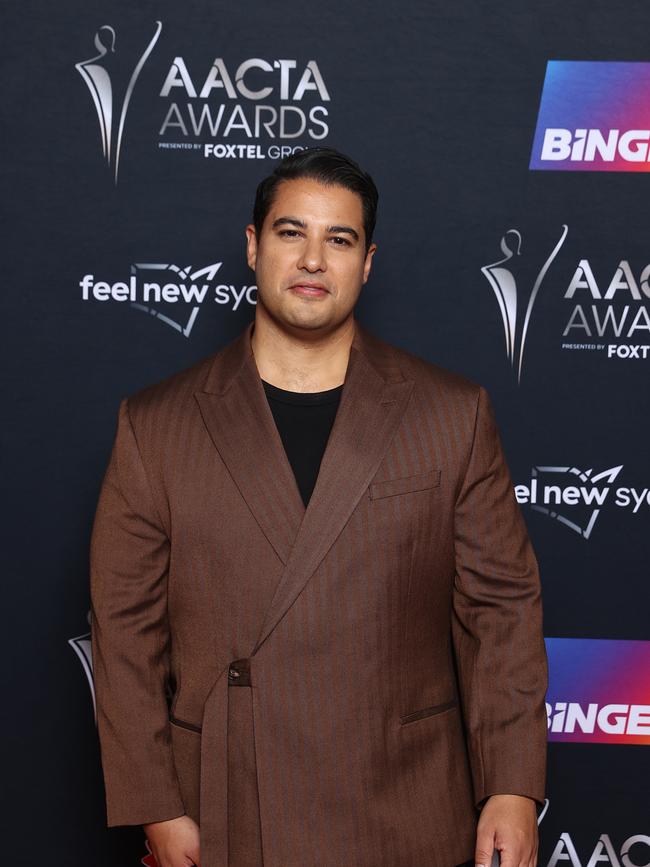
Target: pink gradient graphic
point(599, 99)
point(599, 690)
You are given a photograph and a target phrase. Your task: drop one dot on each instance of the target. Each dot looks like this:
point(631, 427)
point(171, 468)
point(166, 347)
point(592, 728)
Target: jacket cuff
point(143, 814)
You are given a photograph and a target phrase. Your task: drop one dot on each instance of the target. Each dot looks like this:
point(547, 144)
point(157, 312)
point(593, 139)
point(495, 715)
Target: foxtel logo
point(609, 719)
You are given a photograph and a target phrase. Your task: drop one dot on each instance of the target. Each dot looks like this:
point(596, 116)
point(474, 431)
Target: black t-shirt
point(304, 421)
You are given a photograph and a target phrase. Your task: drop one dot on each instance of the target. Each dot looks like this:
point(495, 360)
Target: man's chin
point(309, 326)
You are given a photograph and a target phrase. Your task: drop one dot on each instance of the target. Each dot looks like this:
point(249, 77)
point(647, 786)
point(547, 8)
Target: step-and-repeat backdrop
point(510, 143)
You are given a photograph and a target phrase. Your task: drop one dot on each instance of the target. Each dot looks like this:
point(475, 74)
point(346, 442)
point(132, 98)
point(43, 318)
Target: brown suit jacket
point(391, 633)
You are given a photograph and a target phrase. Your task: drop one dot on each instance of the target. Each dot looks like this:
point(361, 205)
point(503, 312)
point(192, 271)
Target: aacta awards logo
point(632, 852)
point(252, 109)
point(629, 854)
point(606, 312)
point(96, 72)
point(606, 851)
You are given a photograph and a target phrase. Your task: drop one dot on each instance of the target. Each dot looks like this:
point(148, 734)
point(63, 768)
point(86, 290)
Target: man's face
point(310, 259)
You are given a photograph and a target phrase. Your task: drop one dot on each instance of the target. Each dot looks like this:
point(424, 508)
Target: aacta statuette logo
point(509, 294)
point(81, 645)
point(96, 73)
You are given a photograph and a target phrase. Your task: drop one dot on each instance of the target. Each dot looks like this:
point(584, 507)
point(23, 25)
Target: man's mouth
point(309, 288)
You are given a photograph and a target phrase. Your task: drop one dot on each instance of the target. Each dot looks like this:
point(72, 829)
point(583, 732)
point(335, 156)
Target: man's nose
point(312, 256)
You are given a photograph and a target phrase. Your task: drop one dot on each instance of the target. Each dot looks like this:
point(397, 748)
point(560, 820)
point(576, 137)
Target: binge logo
point(594, 116)
point(599, 691)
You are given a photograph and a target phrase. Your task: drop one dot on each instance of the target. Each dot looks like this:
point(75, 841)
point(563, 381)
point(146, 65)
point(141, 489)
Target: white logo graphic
point(604, 852)
point(604, 316)
point(254, 111)
point(82, 647)
point(503, 282)
point(585, 145)
point(616, 318)
point(556, 491)
point(175, 294)
point(96, 73)
point(608, 719)
point(171, 291)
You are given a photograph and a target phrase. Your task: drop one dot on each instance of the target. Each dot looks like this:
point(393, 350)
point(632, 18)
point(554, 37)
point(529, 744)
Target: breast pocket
point(404, 485)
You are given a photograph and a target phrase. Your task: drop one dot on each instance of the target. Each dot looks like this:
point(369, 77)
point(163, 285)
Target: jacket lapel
point(236, 412)
point(240, 422)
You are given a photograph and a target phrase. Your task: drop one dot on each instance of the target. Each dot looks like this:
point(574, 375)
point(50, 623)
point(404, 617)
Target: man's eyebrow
point(332, 230)
point(344, 230)
point(294, 221)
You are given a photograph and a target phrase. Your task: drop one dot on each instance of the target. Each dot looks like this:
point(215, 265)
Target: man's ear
point(367, 265)
point(251, 246)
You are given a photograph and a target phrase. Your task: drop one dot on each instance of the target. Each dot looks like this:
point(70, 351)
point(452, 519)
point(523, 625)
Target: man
point(316, 611)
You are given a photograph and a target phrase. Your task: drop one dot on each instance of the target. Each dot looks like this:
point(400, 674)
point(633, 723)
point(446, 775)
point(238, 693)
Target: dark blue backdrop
point(439, 102)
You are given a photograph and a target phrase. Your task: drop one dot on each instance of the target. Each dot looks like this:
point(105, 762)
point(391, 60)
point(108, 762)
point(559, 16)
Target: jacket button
point(239, 673)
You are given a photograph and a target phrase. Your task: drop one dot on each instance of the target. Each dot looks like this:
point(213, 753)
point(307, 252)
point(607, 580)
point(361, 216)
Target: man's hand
point(507, 823)
point(175, 842)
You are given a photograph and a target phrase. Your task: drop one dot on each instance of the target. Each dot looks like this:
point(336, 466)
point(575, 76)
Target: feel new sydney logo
point(576, 498)
point(171, 294)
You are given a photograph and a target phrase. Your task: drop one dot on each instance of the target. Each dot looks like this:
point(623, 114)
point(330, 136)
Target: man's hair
point(327, 166)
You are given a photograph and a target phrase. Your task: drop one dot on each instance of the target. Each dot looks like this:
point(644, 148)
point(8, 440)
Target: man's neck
point(297, 363)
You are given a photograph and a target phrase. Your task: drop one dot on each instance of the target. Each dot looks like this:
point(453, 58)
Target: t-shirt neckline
point(302, 398)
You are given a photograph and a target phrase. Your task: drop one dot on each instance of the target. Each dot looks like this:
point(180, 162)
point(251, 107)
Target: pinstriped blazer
point(391, 632)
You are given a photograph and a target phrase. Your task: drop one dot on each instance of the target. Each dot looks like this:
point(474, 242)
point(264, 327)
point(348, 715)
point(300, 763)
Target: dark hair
point(328, 166)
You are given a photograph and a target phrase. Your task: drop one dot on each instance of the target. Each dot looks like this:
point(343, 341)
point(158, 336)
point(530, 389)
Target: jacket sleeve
point(497, 625)
point(129, 557)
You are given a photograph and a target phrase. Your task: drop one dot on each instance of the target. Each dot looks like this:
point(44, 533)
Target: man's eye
point(289, 233)
point(340, 242)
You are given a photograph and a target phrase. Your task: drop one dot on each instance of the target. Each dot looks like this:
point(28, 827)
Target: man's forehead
point(307, 198)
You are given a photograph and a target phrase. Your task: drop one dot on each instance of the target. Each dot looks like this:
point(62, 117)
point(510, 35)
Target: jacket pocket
point(428, 711)
point(183, 724)
point(404, 485)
